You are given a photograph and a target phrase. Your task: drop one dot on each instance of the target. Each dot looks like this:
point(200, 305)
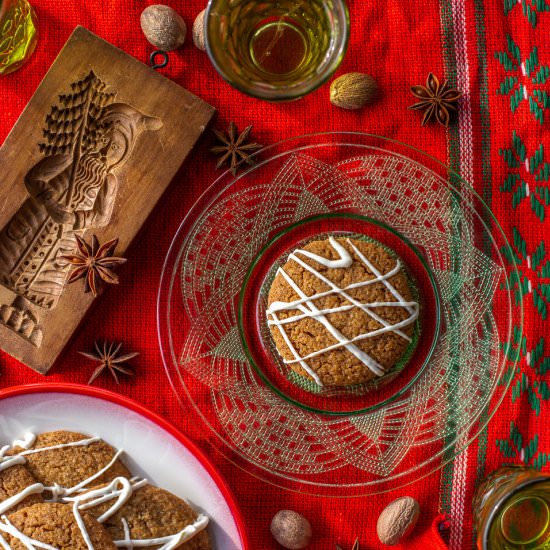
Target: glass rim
point(402, 390)
point(502, 502)
point(287, 93)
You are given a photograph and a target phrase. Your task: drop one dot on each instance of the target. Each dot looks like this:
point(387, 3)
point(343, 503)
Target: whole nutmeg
point(198, 31)
point(353, 90)
point(397, 520)
point(163, 27)
point(291, 529)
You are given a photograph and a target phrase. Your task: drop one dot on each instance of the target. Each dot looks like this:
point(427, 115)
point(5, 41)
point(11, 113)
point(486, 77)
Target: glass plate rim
point(173, 256)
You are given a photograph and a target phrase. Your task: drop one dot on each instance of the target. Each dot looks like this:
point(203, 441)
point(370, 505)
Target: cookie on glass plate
point(341, 311)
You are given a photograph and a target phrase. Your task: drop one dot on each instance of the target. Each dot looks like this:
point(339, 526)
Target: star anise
point(354, 547)
point(234, 148)
point(435, 100)
point(108, 358)
point(93, 262)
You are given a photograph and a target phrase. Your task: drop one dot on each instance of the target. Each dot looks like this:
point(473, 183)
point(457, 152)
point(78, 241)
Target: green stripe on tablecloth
point(487, 176)
point(449, 55)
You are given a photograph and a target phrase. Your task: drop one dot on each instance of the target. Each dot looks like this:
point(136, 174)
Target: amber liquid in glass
point(276, 42)
point(277, 50)
point(524, 522)
point(18, 34)
point(279, 47)
point(512, 510)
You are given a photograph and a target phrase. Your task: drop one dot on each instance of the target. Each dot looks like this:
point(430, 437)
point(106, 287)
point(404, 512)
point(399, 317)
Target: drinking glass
point(18, 34)
point(512, 510)
point(277, 50)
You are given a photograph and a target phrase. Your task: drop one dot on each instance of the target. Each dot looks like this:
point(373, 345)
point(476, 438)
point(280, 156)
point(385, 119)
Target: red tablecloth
point(498, 54)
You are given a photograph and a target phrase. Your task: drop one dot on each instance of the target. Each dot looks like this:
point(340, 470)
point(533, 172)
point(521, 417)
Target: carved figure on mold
point(71, 190)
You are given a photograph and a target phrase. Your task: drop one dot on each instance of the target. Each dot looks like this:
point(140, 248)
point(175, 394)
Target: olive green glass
point(18, 34)
point(276, 50)
point(512, 510)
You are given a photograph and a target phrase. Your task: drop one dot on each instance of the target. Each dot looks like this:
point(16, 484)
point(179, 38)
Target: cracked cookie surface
point(318, 327)
point(56, 525)
point(69, 466)
point(15, 479)
point(152, 512)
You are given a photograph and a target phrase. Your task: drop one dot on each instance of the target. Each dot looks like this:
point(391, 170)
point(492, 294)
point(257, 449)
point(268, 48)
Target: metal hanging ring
point(154, 55)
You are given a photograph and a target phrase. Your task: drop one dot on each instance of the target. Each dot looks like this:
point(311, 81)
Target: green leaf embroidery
point(529, 71)
point(532, 383)
point(531, 269)
point(519, 147)
point(532, 61)
point(529, 9)
point(529, 454)
point(513, 49)
point(538, 255)
point(542, 97)
point(523, 167)
point(542, 75)
point(505, 61)
point(519, 242)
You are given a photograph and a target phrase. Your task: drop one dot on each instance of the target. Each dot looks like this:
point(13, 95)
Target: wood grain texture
point(92, 153)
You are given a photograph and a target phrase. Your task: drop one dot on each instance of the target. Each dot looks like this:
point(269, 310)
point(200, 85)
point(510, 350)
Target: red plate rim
point(98, 393)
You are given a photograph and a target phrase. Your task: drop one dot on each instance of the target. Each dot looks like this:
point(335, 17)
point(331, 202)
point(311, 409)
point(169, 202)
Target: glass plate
point(218, 354)
point(260, 347)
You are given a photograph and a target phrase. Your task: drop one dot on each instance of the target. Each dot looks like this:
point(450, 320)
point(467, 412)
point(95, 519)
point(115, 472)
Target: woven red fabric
point(486, 49)
point(428, 538)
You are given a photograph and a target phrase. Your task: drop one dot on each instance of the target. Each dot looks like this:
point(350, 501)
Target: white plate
point(153, 449)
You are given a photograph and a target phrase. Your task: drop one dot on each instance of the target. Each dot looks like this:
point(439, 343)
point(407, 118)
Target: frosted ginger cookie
point(18, 488)
point(341, 311)
point(59, 525)
point(149, 514)
point(64, 460)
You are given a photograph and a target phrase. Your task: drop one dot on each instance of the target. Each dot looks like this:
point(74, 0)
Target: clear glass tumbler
point(512, 510)
point(277, 50)
point(18, 34)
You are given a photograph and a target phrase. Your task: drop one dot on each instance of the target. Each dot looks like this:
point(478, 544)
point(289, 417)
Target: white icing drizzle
point(81, 443)
point(127, 536)
point(59, 492)
point(34, 489)
point(31, 544)
point(363, 307)
point(120, 489)
point(7, 527)
point(379, 276)
point(82, 527)
point(279, 306)
point(345, 260)
point(9, 461)
point(165, 543)
point(27, 442)
point(336, 310)
point(305, 304)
